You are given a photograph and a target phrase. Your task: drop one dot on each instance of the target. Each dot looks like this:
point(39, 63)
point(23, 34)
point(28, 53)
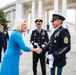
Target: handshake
point(38, 50)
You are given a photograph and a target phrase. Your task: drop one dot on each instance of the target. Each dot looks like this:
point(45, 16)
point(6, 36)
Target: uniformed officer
point(58, 46)
point(39, 38)
point(3, 39)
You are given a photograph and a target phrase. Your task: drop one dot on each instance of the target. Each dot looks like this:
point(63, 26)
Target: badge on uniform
point(42, 37)
point(54, 41)
point(4, 32)
point(57, 34)
point(66, 40)
point(43, 33)
point(34, 34)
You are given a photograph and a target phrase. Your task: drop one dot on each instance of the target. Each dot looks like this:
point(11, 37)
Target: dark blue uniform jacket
point(58, 46)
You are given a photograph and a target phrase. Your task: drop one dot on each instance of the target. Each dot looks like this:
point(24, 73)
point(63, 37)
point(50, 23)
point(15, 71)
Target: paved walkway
point(26, 64)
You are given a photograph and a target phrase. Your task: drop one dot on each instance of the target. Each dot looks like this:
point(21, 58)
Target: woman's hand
point(38, 50)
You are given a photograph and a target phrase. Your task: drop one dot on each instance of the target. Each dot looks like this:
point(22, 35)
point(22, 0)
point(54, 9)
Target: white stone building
point(33, 9)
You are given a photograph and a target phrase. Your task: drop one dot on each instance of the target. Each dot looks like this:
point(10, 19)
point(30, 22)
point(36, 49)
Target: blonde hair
point(18, 25)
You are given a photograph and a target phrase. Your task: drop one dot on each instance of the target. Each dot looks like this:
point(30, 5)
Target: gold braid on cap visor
point(38, 22)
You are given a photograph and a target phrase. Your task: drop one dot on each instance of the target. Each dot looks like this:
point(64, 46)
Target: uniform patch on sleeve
point(66, 40)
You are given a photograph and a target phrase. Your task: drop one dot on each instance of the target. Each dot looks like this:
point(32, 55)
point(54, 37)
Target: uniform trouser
point(36, 57)
point(4, 47)
point(56, 71)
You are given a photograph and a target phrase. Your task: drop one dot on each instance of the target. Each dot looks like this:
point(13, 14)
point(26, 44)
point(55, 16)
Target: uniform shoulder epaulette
point(34, 30)
point(43, 29)
point(64, 29)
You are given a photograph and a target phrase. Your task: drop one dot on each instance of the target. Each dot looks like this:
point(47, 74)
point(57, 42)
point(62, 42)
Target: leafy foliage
point(3, 20)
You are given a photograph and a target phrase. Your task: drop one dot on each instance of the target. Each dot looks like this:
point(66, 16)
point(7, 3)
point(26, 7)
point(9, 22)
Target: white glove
point(51, 63)
point(36, 44)
point(50, 57)
point(51, 60)
point(43, 45)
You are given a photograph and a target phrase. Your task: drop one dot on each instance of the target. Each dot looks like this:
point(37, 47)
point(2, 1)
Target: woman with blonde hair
point(10, 63)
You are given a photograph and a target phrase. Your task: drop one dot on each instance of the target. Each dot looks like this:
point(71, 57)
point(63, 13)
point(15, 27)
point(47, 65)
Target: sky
point(4, 2)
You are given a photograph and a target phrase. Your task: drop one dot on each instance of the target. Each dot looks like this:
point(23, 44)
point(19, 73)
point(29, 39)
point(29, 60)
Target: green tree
point(3, 20)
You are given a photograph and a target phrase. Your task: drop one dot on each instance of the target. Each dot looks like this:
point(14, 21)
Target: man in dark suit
point(3, 39)
point(39, 38)
point(58, 46)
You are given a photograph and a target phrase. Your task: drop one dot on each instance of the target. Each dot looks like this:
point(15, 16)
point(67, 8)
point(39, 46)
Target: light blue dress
point(10, 63)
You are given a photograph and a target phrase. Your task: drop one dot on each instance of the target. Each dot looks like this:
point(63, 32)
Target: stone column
point(11, 18)
point(28, 26)
point(60, 11)
point(75, 19)
point(64, 9)
point(33, 15)
point(47, 17)
point(56, 6)
point(48, 25)
point(45, 20)
point(40, 9)
point(19, 11)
